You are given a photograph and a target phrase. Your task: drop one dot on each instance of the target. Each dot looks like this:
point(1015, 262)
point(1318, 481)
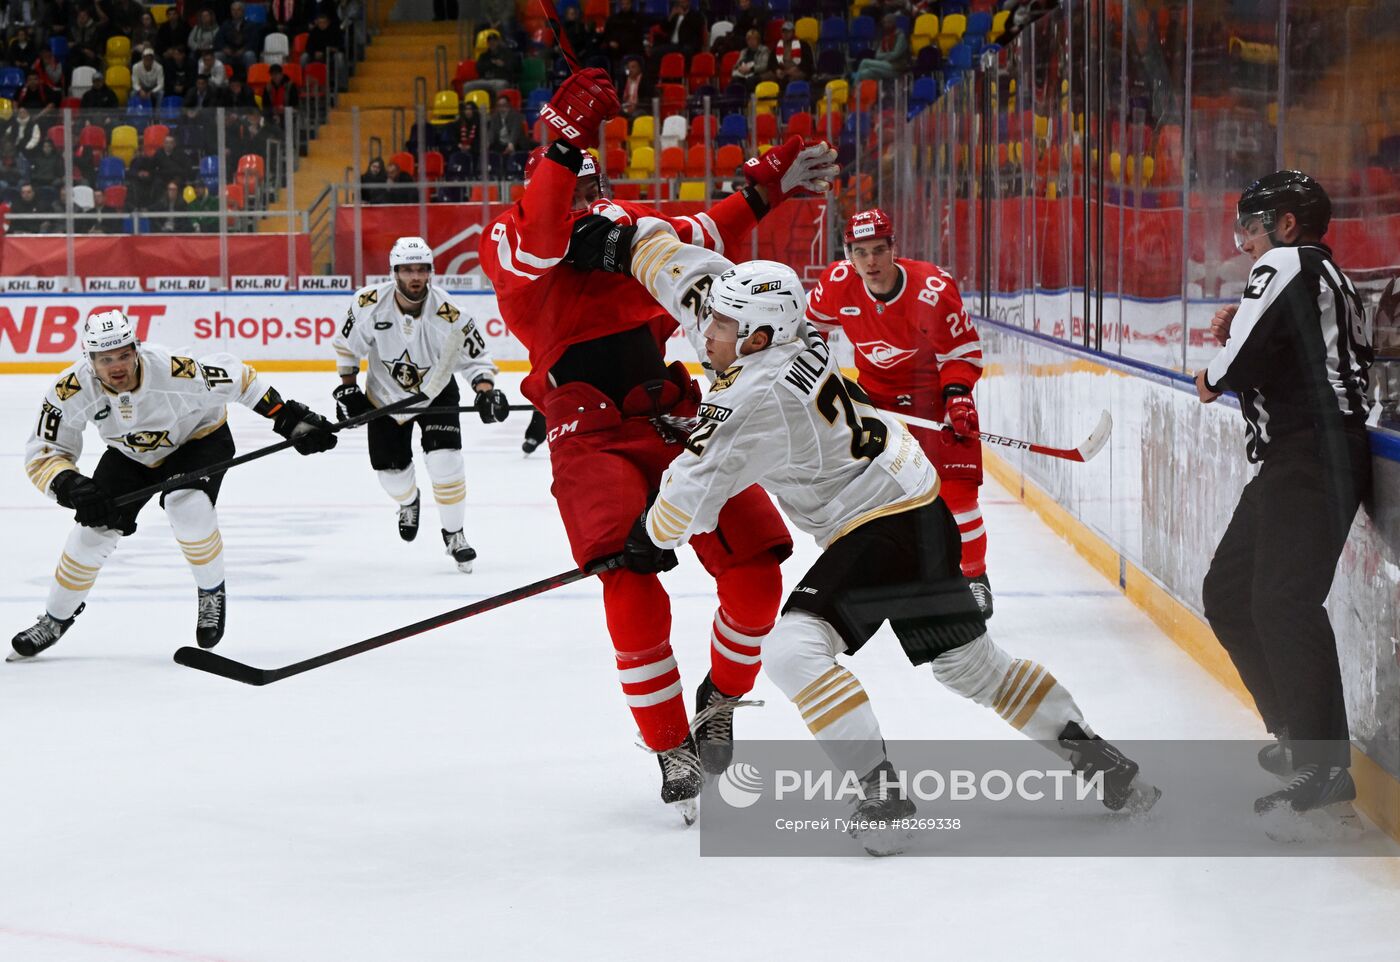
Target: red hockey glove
point(794, 168)
point(959, 410)
point(582, 104)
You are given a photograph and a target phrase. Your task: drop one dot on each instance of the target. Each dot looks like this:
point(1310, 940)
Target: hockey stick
point(557, 28)
point(470, 409)
point(204, 660)
point(1091, 445)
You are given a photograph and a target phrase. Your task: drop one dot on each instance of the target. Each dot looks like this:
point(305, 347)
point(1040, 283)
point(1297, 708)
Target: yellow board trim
point(1378, 792)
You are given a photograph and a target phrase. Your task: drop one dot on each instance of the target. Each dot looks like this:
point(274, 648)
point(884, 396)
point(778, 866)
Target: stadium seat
point(924, 92)
point(862, 32)
point(697, 128)
point(433, 165)
point(643, 132)
point(797, 97)
point(481, 98)
point(765, 97)
point(867, 92)
point(114, 197)
point(726, 66)
point(733, 129)
point(124, 142)
point(82, 197)
point(119, 79)
point(316, 79)
point(58, 46)
point(692, 190)
point(960, 57)
point(766, 128)
point(642, 163)
point(728, 159)
point(258, 76)
point(276, 48)
point(465, 74)
point(672, 98)
point(615, 130)
point(979, 25)
point(118, 50)
point(110, 171)
point(511, 94)
point(672, 161)
point(445, 107)
point(152, 138)
point(719, 30)
point(672, 69)
point(695, 161)
point(253, 167)
point(405, 162)
point(595, 12)
point(833, 32)
point(233, 197)
point(808, 29)
point(81, 81)
point(11, 80)
point(160, 12)
point(255, 13)
point(299, 46)
point(951, 31)
point(617, 162)
point(799, 124)
point(673, 131)
point(838, 92)
point(482, 36)
point(93, 135)
point(702, 70)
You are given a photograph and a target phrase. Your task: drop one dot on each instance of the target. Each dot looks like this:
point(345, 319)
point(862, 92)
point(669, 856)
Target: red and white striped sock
point(651, 683)
point(734, 654)
point(974, 541)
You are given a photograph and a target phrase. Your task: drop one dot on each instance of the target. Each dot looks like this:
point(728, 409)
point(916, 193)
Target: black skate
point(1315, 805)
point(534, 434)
point(713, 726)
point(680, 778)
point(461, 552)
point(43, 634)
point(1123, 790)
point(883, 803)
point(1277, 759)
point(408, 518)
point(982, 591)
point(209, 628)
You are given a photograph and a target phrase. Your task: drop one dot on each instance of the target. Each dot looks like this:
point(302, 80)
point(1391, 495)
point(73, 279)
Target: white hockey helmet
point(752, 295)
point(107, 331)
point(410, 250)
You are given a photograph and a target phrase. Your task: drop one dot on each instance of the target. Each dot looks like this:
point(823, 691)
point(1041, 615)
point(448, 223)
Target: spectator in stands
point(179, 72)
point(13, 170)
point(85, 41)
point(175, 32)
point(498, 64)
point(747, 16)
point(323, 41)
point(239, 38)
point(203, 94)
point(122, 16)
point(86, 161)
point(28, 203)
point(684, 31)
point(398, 186)
point(50, 71)
point(170, 203)
point(171, 163)
point(279, 94)
point(22, 49)
point(372, 182)
point(143, 188)
point(793, 59)
point(755, 61)
point(239, 96)
point(464, 155)
point(212, 67)
point(146, 34)
point(583, 39)
point(288, 16)
point(97, 224)
point(40, 100)
point(205, 33)
point(635, 89)
point(46, 166)
point(891, 53)
point(55, 18)
point(23, 132)
point(148, 76)
point(99, 96)
point(623, 31)
point(506, 140)
point(202, 201)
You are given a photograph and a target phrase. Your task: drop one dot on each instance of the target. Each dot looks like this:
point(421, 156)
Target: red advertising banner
point(152, 255)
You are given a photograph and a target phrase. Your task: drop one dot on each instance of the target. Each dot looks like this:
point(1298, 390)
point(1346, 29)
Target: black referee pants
point(1271, 573)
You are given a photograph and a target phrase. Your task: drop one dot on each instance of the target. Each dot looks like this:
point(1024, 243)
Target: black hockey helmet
point(1284, 192)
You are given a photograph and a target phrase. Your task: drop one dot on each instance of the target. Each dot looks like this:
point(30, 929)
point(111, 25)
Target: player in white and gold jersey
point(780, 414)
point(160, 415)
point(403, 330)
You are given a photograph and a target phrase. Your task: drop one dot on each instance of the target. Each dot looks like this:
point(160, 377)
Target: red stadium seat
point(702, 70)
point(800, 124)
point(405, 162)
point(672, 162)
point(672, 69)
point(695, 161)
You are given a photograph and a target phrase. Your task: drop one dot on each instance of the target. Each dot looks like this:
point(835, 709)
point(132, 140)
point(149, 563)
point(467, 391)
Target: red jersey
point(914, 345)
point(549, 305)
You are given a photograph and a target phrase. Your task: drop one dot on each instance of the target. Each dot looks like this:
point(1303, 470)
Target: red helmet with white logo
point(589, 168)
point(869, 225)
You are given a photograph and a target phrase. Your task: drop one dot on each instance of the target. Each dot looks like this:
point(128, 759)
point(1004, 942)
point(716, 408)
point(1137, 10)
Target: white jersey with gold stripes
point(784, 418)
point(401, 349)
point(176, 399)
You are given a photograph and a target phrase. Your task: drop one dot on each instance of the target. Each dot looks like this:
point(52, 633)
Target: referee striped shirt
point(1299, 348)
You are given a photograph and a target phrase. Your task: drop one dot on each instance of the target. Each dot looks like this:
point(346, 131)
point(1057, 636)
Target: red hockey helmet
point(869, 225)
point(589, 168)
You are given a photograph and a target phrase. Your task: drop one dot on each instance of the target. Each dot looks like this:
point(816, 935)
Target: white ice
point(475, 793)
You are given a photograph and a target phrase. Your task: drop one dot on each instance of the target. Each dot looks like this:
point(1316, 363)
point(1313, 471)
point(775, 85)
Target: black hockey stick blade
point(206, 661)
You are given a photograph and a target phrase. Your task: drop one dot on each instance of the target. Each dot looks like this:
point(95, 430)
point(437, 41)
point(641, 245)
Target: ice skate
point(1314, 806)
point(982, 591)
point(461, 552)
point(1277, 758)
point(209, 628)
point(680, 778)
point(534, 434)
point(883, 802)
point(713, 726)
point(42, 634)
point(1123, 789)
point(408, 518)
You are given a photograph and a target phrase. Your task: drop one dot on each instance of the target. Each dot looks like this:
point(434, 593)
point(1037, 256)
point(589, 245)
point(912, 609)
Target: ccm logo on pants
point(562, 430)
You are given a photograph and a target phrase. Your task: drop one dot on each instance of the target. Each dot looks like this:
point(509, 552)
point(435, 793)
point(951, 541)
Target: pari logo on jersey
point(884, 354)
point(405, 373)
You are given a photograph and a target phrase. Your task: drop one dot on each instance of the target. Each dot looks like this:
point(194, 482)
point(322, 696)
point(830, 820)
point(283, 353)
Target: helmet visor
point(1250, 226)
point(717, 327)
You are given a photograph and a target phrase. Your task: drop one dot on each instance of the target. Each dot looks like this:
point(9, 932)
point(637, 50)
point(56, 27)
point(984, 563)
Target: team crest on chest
point(143, 442)
point(726, 378)
point(405, 373)
point(883, 354)
point(448, 313)
point(368, 297)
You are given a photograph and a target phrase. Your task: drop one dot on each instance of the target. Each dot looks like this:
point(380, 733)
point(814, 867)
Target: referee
point(1296, 350)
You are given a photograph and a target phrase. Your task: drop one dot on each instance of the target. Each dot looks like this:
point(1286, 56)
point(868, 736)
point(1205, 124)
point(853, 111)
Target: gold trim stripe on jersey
point(830, 698)
point(450, 492)
point(74, 575)
point(204, 550)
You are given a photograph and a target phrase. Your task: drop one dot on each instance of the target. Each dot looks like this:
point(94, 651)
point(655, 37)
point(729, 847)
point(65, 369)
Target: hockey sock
point(196, 528)
point(399, 485)
point(799, 656)
point(961, 498)
point(449, 477)
point(749, 595)
point(84, 553)
point(639, 620)
point(1022, 692)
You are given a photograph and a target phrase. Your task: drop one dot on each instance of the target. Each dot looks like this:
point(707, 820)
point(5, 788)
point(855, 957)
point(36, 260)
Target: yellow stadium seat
point(951, 32)
point(481, 37)
point(840, 92)
point(999, 21)
point(118, 51)
point(918, 42)
point(119, 79)
point(481, 98)
point(926, 25)
point(765, 97)
point(160, 12)
point(642, 163)
point(692, 190)
point(1115, 163)
point(445, 107)
point(7, 109)
point(643, 133)
point(1042, 127)
point(808, 29)
point(1149, 166)
point(124, 143)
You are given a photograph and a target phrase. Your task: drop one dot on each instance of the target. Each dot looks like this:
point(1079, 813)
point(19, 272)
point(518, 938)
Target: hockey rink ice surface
point(475, 793)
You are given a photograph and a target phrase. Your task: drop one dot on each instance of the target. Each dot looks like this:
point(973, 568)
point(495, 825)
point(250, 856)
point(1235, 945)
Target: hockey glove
point(601, 244)
point(92, 505)
point(308, 431)
point(350, 402)
point(641, 555)
point(793, 168)
point(581, 105)
point(492, 405)
point(959, 410)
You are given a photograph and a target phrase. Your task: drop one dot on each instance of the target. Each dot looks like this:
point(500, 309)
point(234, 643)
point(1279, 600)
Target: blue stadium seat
point(110, 171)
point(209, 168)
point(58, 46)
point(960, 57)
point(656, 8)
point(733, 129)
point(255, 12)
point(833, 33)
point(979, 25)
point(170, 111)
point(796, 98)
point(862, 32)
point(923, 93)
point(11, 79)
point(781, 8)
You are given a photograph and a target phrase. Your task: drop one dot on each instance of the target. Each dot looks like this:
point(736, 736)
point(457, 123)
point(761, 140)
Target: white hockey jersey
point(784, 418)
point(176, 399)
point(402, 349)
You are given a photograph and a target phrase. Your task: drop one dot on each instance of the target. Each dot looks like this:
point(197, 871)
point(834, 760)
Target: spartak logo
point(458, 254)
point(883, 354)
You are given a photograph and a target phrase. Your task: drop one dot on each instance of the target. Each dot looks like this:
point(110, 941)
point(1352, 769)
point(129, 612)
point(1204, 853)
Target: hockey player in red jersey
point(613, 407)
point(917, 353)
